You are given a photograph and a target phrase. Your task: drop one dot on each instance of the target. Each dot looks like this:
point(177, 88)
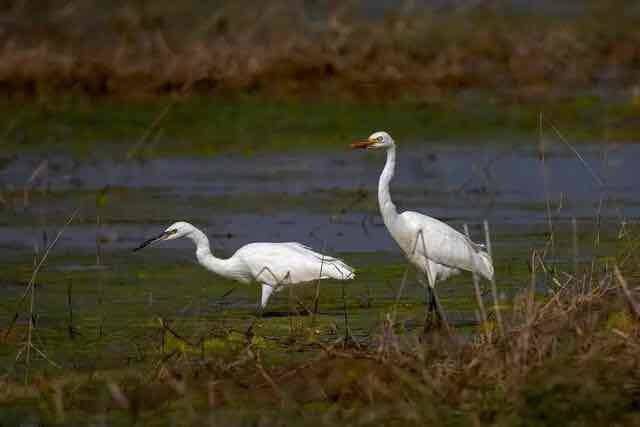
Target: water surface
point(326, 199)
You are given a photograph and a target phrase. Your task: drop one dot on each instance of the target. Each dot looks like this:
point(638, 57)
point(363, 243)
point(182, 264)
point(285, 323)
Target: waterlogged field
point(248, 124)
point(150, 337)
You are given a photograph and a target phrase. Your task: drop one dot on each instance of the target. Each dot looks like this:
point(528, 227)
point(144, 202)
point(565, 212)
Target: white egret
point(433, 247)
point(272, 265)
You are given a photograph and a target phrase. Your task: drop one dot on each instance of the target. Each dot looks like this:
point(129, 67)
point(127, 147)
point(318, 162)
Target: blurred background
point(82, 71)
point(382, 50)
point(134, 105)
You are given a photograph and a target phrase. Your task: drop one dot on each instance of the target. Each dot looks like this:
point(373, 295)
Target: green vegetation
point(206, 126)
point(159, 341)
point(153, 339)
point(202, 77)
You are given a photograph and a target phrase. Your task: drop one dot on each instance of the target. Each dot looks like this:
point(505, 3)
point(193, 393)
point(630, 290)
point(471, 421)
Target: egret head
point(174, 231)
point(375, 140)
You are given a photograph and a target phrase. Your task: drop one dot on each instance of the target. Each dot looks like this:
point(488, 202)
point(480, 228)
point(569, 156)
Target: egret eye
point(380, 139)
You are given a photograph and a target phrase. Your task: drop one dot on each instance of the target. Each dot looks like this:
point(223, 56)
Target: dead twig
point(476, 281)
point(494, 287)
point(635, 308)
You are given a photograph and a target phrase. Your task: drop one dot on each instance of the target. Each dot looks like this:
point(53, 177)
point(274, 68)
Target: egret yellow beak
point(362, 144)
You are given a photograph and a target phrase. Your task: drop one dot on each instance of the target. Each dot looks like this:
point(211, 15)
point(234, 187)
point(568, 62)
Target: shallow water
point(324, 199)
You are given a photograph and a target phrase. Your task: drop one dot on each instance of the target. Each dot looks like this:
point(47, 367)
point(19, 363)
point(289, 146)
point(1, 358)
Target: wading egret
point(433, 247)
point(272, 265)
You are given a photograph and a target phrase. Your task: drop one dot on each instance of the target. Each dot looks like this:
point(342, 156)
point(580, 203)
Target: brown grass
point(281, 48)
point(570, 359)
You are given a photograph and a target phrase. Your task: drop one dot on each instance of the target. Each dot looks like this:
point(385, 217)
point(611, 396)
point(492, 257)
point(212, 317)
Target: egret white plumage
point(272, 265)
point(437, 250)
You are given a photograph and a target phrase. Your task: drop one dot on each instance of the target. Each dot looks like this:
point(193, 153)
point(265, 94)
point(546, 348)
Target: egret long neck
point(387, 208)
point(204, 255)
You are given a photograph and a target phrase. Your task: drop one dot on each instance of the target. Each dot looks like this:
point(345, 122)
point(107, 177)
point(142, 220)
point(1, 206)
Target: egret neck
point(387, 208)
point(204, 255)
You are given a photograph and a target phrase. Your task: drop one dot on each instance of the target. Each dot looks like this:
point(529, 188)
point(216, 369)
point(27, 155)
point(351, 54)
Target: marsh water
point(95, 297)
point(321, 198)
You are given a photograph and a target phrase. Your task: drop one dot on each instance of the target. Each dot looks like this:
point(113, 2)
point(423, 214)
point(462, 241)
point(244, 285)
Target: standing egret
point(272, 265)
point(433, 247)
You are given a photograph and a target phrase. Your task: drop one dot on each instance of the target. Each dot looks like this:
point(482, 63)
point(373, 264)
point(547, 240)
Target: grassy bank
point(205, 125)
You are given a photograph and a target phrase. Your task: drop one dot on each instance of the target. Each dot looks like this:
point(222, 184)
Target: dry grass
point(569, 359)
point(284, 48)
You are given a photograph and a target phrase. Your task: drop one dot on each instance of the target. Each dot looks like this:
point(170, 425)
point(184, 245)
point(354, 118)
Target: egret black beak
point(362, 144)
point(152, 240)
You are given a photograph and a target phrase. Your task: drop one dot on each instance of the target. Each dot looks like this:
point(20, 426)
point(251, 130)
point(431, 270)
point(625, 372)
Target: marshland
point(118, 119)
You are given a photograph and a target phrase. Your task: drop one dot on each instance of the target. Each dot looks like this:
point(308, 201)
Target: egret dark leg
point(260, 308)
point(433, 313)
point(249, 332)
point(432, 317)
point(435, 316)
point(432, 300)
point(436, 307)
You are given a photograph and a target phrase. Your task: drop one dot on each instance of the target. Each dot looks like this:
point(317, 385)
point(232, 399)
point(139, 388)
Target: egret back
point(421, 236)
point(333, 268)
point(289, 263)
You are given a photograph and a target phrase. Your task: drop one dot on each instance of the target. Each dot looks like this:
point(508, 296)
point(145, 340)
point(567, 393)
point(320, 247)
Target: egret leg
point(429, 302)
point(434, 315)
point(430, 295)
point(267, 290)
point(435, 306)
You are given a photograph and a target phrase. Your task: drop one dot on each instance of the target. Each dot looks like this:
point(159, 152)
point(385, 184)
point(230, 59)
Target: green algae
point(207, 126)
point(134, 311)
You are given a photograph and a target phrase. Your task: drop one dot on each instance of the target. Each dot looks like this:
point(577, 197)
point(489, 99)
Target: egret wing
point(441, 244)
point(289, 263)
point(329, 266)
